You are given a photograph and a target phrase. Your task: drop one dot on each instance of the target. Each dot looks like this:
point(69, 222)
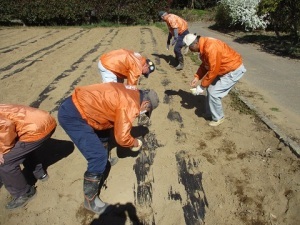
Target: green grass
point(274, 109)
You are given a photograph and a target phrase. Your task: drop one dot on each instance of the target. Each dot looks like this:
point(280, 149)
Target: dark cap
point(161, 13)
point(151, 67)
point(152, 97)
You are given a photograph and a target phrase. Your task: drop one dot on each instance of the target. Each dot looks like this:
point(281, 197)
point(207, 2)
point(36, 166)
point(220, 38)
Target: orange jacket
point(109, 105)
point(217, 59)
point(125, 64)
point(23, 123)
point(174, 22)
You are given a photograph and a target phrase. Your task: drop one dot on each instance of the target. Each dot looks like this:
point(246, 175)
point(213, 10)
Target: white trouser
point(107, 75)
point(219, 89)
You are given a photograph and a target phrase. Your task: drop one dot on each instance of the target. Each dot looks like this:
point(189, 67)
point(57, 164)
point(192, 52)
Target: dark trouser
point(87, 140)
point(179, 44)
point(10, 172)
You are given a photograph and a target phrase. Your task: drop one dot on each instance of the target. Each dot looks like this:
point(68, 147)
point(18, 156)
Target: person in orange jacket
point(221, 68)
point(178, 28)
point(88, 114)
point(23, 131)
point(117, 65)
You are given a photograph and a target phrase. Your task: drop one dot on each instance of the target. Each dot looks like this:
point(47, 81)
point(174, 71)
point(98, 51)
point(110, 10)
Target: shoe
point(216, 123)
point(22, 200)
point(179, 67)
point(113, 161)
point(44, 178)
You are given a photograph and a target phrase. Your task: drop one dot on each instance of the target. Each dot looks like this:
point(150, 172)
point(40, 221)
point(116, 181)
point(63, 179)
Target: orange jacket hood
point(109, 105)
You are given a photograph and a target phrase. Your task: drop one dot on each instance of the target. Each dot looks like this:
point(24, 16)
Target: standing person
point(117, 65)
point(92, 110)
point(221, 69)
point(23, 131)
point(178, 28)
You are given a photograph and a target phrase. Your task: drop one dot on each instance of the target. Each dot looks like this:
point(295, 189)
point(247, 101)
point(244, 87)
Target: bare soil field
point(187, 172)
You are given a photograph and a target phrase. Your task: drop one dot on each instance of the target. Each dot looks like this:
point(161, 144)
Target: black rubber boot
point(91, 190)
point(181, 63)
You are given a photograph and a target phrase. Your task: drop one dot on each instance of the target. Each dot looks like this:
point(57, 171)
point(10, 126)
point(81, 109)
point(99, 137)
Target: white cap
point(188, 40)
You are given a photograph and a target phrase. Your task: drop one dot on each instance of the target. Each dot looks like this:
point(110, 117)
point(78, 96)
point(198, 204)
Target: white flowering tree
point(243, 13)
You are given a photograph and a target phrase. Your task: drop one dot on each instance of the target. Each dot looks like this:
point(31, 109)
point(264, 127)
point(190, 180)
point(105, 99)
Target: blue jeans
point(179, 44)
point(219, 89)
point(86, 139)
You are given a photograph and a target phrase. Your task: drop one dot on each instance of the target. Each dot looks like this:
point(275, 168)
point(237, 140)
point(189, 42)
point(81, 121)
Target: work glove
point(197, 90)
point(135, 149)
point(174, 41)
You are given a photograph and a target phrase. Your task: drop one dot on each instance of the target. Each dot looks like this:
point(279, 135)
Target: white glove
point(168, 47)
point(197, 90)
point(135, 149)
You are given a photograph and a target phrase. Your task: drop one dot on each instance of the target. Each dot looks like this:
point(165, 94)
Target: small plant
point(274, 109)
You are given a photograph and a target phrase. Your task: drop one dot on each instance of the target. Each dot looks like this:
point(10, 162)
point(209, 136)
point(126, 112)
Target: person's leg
point(12, 176)
point(83, 136)
point(33, 161)
point(107, 75)
point(91, 148)
point(177, 50)
point(219, 89)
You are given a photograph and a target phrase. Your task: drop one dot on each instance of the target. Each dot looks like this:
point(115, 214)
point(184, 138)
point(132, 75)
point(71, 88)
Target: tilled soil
point(186, 173)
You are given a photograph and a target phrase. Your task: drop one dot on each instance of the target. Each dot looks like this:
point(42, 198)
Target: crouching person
point(100, 107)
point(23, 131)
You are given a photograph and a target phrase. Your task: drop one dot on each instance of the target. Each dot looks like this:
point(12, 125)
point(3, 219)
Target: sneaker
point(113, 161)
point(22, 200)
point(216, 123)
point(179, 67)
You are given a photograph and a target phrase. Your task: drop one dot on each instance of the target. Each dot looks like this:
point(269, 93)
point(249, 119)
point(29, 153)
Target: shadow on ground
point(53, 151)
point(188, 101)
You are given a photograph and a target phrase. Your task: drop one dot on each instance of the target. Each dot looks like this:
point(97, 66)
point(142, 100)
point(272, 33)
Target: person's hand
point(1, 159)
point(194, 82)
point(174, 41)
point(168, 47)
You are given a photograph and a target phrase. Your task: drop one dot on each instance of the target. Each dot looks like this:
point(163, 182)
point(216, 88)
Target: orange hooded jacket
point(125, 64)
point(109, 105)
point(23, 123)
point(217, 59)
point(174, 22)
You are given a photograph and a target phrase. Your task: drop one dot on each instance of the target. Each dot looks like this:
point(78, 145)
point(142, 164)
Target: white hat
point(188, 40)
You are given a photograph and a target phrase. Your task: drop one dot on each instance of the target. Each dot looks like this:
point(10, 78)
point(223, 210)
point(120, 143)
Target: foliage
point(190, 14)
point(284, 15)
point(77, 12)
point(240, 13)
point(192, 4)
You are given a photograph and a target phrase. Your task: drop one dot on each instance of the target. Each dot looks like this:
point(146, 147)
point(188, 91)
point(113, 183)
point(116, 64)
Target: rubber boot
point(181, 64)
point(91, 188)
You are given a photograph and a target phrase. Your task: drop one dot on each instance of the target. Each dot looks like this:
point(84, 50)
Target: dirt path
point(189, 173)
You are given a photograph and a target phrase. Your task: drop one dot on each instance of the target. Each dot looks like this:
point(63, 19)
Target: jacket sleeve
point(8, 135)
point(201, 72)
point(134, 72)
point(122, 129)
point(213, 58)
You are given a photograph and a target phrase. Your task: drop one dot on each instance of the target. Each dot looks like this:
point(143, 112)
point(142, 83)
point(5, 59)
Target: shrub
point(240, 14)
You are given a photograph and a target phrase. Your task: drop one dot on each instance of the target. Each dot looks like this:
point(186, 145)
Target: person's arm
point(122, 128)
point(175, 30)
point(214, 64)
